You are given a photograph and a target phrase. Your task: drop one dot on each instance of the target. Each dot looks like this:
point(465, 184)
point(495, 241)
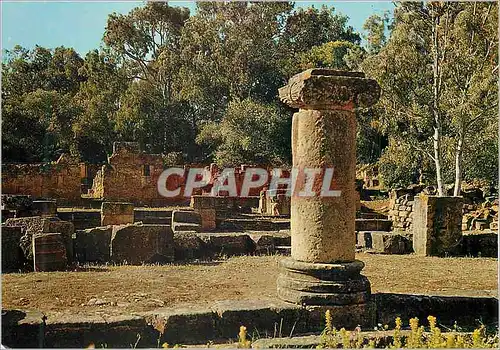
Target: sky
point(80, 24)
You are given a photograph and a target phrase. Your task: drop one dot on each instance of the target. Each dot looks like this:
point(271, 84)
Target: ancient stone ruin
point(121, 220)
point(322, 269)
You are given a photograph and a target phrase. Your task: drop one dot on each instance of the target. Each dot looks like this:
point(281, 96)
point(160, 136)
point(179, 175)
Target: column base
point(338, 287)
point(323, 284)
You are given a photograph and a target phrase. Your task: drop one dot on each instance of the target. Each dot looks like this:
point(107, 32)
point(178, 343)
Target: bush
point(417, 337)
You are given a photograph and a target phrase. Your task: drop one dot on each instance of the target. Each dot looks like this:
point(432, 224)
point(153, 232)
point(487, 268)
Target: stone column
point(322, 269)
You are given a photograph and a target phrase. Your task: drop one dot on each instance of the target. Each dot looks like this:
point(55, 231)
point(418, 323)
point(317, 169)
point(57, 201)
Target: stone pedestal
point(437, 225)
point(322, 269)
point(117, 213)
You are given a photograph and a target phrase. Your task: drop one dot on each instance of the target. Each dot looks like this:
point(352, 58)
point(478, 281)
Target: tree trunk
point(437, 160)
point(435, 105)
point(458, 165)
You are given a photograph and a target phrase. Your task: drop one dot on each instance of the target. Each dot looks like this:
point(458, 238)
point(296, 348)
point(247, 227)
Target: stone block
point(117, 213)
point(364, 239)
point(465, 311)
point(437, 225)
point(482, 244)
point(373, 225)
point(38, 224)
point(391, 243)
point(81, 219)
point(66, 229)
point(208, 217)
point(494, 225)
point(22, 329)
point(228, 243)
point(202, 202)
point(93, 245)
point(102, 332)
point(264, 244)
point(45, 207)
point(257, 316)
point(138, 244)
point(185, 216)
point(187, 245)
point(186, 326)
point(49, 252)
point(12, 255)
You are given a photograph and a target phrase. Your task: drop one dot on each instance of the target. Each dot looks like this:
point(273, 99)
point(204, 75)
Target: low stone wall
point(221, 321)
point(401, 212)
point(60, 180)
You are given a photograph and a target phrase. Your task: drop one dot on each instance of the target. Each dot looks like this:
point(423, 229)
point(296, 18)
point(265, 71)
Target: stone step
point(282, 249)
point(372, 215)
point(257, 224)
point(186, 216)
point(167, 220)
point(373, 225)
point(185, 226)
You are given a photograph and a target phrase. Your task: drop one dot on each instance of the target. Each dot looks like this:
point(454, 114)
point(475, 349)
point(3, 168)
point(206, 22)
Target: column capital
point(320, 88)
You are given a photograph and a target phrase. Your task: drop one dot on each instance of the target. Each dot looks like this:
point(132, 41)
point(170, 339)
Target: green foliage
point(399, 166)
point(250, 132)
point(98, 98)
point(37, 102)
point(203, 87)
point(417, 337)
point(458, 102)
point(329, 55)
point(164, 78)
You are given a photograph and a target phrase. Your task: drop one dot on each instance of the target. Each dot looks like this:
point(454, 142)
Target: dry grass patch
point(126, 289)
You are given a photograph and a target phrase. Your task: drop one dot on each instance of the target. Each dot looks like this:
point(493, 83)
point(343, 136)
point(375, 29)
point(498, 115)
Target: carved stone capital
point(321, 89)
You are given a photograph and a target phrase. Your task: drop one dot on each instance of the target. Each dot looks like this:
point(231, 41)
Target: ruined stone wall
point(401, 213)
point(131, 175)
point(60, 180)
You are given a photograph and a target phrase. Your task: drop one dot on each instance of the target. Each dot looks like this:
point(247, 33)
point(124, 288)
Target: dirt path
point(117, 290)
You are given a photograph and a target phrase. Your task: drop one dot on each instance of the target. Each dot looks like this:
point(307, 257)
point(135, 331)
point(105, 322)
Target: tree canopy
point(203, 87)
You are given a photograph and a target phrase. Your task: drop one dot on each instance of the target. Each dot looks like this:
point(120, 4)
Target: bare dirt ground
point(114, 290)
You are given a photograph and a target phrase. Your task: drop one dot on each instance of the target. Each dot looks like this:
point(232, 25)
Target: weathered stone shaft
point(322, 228)
point(322, 270)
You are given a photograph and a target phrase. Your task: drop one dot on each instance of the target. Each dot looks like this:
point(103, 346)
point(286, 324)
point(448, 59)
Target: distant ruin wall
point(60, 180)
point(132, 175)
